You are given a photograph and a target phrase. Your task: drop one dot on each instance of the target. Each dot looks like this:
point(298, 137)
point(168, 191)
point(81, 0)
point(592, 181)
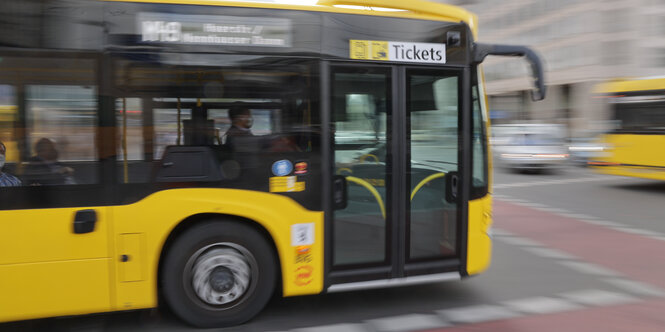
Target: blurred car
point(584, 149)
point(531, 147)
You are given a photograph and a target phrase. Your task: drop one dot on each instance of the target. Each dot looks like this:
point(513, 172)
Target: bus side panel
point(141, 230)
point(48, 270)
point(641, 151)
point(53, 289)
point(479, 242)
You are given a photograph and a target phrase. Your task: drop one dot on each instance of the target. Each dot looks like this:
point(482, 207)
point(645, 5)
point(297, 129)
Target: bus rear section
point(631, 147)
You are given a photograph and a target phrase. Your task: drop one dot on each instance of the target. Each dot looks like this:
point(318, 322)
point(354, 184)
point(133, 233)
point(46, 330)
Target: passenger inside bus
point(6, 179)
point(44, 168)
point(241, 124)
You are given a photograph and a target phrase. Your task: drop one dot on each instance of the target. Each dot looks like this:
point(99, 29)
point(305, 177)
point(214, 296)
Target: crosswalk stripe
point(407, 323)
point(477, 314)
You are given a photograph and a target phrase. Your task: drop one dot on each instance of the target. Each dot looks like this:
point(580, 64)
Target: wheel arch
point(196, 219)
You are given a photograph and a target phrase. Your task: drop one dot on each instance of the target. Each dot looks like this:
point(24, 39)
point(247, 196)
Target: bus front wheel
point(219, 273)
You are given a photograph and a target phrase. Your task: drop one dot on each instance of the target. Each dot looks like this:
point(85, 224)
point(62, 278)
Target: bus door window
point(479, 146)
point(360, 116)
point(432, 108)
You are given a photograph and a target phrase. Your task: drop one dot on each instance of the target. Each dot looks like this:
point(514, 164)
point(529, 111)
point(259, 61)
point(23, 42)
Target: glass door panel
point(361, 114)
point(433, 140)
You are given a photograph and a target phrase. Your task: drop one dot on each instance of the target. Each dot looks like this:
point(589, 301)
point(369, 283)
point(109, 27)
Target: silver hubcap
point(221, 273)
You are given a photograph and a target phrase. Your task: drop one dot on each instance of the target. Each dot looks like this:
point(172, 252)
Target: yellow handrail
point(339, 171)
point(372, 190)
point(424, 181)
point(362, 159)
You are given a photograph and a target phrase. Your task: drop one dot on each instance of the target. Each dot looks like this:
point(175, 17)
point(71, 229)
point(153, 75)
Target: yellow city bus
point(204, 154)
point(637, 112)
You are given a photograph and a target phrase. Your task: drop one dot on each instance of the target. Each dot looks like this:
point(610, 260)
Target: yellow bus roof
point(414, 9)
point(631, 85)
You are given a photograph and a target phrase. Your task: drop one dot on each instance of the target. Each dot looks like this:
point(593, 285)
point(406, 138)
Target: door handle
point(452, 186)
point(84, 221)
point(340, 195)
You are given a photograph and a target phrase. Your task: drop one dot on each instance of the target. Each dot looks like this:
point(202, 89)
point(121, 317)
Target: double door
point(396, 142)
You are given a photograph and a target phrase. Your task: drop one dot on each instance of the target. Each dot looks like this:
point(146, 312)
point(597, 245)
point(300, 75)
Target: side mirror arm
point(480, 51)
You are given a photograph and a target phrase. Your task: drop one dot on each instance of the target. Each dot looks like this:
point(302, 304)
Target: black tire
point(224, 245)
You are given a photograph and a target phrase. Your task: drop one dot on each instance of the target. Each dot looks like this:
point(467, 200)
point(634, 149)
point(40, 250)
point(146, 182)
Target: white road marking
point(637, 231)
point(600, 222)
point(590, 268)
point(519, 241)
point(542, 305)
point(549, 253)
point(550, 182)
point(501, 232)
point(595, 297)
point(659, 238)
point(514, 200)
point(335, 328)
point(532, 205)
point(588, 219)
point(636, 287)
point(477, 314)
point(576, 216)
point(551, 210)
point(407, 323)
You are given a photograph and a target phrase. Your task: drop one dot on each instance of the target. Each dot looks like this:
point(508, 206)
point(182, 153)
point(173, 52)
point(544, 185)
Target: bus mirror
point(480, 51)
point(340, 196)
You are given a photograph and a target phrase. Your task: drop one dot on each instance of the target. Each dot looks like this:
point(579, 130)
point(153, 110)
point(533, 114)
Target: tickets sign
point(397, 51)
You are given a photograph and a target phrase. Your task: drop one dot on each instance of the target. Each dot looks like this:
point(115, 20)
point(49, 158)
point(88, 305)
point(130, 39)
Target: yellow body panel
point(631, 85)
point(414, 9)
point(37, 290)
point(46, 235)
point(479, 242)
point(634, 155)
point(47, 270)
point(628, 154)
point(157, 215)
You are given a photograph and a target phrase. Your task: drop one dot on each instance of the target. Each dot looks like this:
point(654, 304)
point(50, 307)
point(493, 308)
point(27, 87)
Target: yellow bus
point(637, 114)
point(205, 154)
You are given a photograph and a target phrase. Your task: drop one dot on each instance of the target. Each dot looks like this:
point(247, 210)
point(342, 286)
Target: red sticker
point(304, 275)
point(301, 168)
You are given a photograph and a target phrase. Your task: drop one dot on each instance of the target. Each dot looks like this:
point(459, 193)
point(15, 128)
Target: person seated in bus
point(6, 179)
point(241, 124)
point(44, 168)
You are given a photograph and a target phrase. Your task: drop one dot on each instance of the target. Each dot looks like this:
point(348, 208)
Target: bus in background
point(633, 146)
point(203, 154)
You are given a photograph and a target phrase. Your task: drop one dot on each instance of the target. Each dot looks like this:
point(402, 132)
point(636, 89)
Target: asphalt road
point(569, 246)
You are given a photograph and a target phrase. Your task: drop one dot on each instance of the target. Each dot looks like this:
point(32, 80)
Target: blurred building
point(582, 42)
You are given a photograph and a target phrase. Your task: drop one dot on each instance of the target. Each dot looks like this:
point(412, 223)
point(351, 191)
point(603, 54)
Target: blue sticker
point(282, 168)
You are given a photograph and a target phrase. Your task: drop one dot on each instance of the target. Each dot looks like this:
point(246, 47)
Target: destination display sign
point(397, 51)
point(214, 30)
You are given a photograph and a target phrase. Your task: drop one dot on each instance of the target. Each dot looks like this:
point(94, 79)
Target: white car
point(531, 147)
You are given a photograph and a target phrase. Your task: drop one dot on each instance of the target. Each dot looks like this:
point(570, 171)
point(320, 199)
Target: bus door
point(395, 142)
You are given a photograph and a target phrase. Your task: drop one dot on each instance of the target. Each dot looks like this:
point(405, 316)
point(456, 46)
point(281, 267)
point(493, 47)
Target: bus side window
point(61, 126)
point(9, 153)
